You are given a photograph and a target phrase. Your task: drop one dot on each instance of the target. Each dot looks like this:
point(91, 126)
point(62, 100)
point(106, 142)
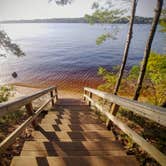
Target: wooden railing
point(154, 113)
point(26, 101)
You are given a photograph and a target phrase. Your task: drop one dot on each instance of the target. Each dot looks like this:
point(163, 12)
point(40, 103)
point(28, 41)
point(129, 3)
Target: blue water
point(60, 53)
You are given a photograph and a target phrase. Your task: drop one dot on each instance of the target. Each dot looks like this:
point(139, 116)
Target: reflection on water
point(67, 55)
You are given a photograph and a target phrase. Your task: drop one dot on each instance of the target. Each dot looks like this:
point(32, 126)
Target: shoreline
point(22, 89)
point(66, 88)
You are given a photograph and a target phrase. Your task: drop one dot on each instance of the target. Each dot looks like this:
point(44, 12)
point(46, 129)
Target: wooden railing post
point(84, 94)
point(113, 109)
point(56, 94)
point(52, 95)
point(154, 113)
point(90, 95)
point(31, 112)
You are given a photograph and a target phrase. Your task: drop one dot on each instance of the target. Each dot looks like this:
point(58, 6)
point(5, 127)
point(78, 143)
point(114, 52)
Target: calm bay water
point(67, 54)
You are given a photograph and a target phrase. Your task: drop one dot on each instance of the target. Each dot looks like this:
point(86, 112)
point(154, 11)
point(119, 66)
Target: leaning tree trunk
point(113, 107)
point(148, 48)
point(127, 46)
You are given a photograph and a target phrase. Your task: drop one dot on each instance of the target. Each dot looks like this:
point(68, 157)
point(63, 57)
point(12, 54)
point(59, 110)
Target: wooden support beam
point(52, 95)
point(114, 109)
point(10, 139)
point(31, 112)
point(90, 95)
point(153, 151)
point(152, 112)
point(84, 94)
point(14, 105)
point(109, 124)
point(56, 94)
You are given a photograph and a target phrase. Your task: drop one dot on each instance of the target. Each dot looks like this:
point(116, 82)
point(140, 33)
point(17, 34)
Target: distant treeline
point(138, 20)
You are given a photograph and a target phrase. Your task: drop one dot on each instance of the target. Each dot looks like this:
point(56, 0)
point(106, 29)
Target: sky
point(34, 9)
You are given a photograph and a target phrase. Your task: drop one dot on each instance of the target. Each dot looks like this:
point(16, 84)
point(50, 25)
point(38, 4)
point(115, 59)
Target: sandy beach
point(24, 90)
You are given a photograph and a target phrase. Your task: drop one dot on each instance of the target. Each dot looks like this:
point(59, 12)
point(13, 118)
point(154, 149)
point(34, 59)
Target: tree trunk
point(127, 46)
point(148, 49)
point(113, 107)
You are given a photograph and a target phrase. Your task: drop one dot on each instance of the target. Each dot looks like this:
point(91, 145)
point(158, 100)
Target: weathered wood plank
point(75, 161)
point(72, 127)
point(12, 106)
point(155, 113)
point(51, 94)
point(74, 136)
point(154, 152)
point(72, 146)
point(11, 138)
point(31, 112)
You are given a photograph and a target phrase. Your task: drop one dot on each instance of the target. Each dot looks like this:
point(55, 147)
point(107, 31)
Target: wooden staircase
point(72, 135)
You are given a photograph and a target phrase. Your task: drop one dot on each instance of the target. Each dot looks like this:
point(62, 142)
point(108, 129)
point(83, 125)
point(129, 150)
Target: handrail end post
point(31, 112)
point(56, 94)
point(90, 95)
point(109, 124)
point(52, 95)
point(84, 94)
point(114, 109)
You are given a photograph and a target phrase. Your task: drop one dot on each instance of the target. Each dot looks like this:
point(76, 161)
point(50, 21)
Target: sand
point(21, 90)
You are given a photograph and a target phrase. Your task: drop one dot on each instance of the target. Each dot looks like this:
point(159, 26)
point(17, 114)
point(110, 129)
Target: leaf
point(102, 38)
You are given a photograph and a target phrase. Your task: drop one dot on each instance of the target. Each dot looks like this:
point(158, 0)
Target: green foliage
point(7, 43)
point(134, 72)
point(102, 38)
point(12, 117)
point(5, 92)
point(105, 13)
point(109, 79)
point(155, 78)
point(104, 16)
point(106, 36)
point(156, 67)
point(154, 87)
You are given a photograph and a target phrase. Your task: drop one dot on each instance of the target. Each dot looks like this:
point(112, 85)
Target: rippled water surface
point(67, 54)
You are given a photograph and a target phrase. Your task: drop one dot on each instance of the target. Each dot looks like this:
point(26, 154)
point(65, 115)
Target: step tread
point(75, 145)
point(66, 121)
point(75, 161)
point(75, 148)
point(70, 136)
point(73, 127)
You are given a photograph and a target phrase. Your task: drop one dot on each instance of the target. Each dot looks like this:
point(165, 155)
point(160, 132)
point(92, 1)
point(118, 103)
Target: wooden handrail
point(136, 107)
point(24, 101)
point(155, 113)
point(11, 106)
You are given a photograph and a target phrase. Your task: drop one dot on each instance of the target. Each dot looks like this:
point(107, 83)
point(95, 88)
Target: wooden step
point(72, 102)
point(75, 161)
point(72, 127)
point(70, 118)
point(69, 122)
point(70, 107)
point(70, 136)
point(83, 148)
point(71, 113)
point(51, 115)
